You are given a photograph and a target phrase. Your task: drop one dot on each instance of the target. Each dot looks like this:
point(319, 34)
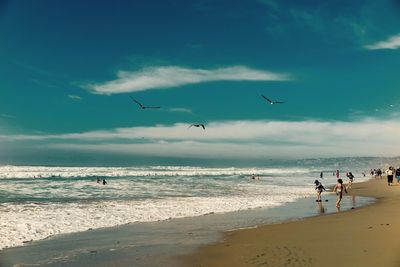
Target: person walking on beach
point(389, 173)
point(319, 187)
point(379, 173)
point(350, 176)
point(339, 188)
point(398, 175)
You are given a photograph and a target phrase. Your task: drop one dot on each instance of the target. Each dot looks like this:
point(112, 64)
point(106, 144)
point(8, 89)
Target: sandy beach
point(366, 236)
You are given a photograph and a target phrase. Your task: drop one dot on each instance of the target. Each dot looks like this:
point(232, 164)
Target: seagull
point(197, 125)
point(141, 106)
point(272, 102)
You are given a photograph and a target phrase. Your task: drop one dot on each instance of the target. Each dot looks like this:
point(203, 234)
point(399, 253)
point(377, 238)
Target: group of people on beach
point(376, 173)
point(390, 173)
point(339, 188)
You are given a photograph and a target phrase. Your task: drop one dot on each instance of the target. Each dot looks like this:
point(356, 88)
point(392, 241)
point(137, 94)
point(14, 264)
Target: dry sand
point(367, 237)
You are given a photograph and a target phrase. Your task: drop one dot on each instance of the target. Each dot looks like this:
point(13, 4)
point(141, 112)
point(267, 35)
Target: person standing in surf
point(339, 188)
point(350, 176)
point(319, 187)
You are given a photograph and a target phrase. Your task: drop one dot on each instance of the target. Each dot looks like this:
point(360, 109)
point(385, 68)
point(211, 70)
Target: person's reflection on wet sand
point(320, 208)
point(353, 201)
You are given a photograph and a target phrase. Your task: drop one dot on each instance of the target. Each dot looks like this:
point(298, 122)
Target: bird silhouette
point(142, 106)
point(197, 125)
point(272, 102)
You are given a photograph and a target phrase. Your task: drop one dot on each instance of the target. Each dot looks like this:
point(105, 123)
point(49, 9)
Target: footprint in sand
point(280, 256)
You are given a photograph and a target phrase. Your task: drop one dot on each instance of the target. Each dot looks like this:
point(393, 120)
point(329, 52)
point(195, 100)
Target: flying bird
point(142, 106)
point(197, 125)
point(272, 102)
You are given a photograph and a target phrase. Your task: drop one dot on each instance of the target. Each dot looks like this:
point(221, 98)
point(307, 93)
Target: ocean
point(37, 202)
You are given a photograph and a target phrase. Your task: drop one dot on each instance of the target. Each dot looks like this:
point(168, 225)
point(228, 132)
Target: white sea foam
point(9, 171)
point(68, 199)
point(35, 221)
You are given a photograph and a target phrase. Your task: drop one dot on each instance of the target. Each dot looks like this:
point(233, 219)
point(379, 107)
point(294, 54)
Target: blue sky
point(68, 69)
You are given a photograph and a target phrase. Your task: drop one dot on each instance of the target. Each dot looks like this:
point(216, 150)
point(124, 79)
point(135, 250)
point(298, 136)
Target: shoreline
point(156, 243)
point(349, 238)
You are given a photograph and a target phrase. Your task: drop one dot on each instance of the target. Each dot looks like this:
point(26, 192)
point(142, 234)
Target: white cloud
point(75, 97)
point(238, 139)
point(7, 116)
point(391, 43)
point(174, 76)
point(183, 110)
point(192, 149)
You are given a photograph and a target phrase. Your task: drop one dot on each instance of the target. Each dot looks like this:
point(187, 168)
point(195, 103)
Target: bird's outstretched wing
point(152, 107)
point(270, 101)
point(142, 106)
point(137, 102)
point(197, 125)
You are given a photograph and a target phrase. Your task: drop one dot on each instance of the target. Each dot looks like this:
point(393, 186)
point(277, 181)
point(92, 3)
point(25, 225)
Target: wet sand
point(367, 236)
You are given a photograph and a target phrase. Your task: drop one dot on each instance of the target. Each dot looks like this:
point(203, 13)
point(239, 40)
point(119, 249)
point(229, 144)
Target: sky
point(69, 71)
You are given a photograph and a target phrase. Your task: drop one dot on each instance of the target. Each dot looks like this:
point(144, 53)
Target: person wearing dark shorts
point(319, 187)
point(338, 189)
point(390, 173)
point(398, 175)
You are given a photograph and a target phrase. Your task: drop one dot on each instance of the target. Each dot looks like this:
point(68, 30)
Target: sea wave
point(22, 222)
point(21, 172)
point(40, 201)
